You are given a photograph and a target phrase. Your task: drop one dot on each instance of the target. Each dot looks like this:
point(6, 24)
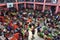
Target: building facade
point(41, 5)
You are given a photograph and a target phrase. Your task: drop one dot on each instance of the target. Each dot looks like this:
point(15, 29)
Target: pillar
point(44, 6)
point(16, 5)
point(24, 3)
point(57, 6)
point(34, 4)
point(57, 9)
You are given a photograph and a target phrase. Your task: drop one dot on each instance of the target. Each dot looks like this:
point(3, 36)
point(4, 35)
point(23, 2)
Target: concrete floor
point(36, 36)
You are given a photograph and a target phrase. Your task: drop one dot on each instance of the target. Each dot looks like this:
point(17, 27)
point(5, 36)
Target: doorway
point(53, 9)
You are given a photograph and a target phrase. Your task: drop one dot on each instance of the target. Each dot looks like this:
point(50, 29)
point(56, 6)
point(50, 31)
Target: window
point(29, 6)
point(39, 7)
point(51, 1)
point(20, 0)
point(48, 1)
point(39, 0)
point(54, 1)
point(30, 0)
point(20, 6)
point(1, 1)
point(8, 1)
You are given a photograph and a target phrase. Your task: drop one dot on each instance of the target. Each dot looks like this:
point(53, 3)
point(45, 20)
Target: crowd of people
point(15, 25)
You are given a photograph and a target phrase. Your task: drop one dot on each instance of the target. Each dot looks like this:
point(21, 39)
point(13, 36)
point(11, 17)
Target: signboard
point(9, 5)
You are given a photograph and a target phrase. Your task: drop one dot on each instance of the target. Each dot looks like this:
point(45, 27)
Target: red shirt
point(15, 26)
point(15, 36)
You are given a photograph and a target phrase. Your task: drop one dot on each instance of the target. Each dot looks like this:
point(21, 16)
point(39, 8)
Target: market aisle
point(36, 36)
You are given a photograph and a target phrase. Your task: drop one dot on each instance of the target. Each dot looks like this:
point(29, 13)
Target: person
point(0, 32)
point(6, 38)
point(33, 31)
point(46, 32)
point(38, 27)
point(26, 35)
point(15, 26)
point(58, 37)
point(16, 35)
point(20, 36)
point(13, 38)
